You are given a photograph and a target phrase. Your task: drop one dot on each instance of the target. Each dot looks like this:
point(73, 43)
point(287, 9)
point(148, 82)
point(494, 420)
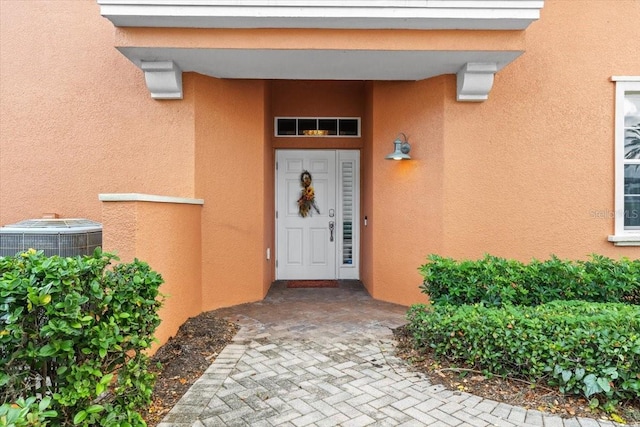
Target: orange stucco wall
point(167, 237)
point(366, 192)
point(319, 39)
point(528, 173)
point(231, 176)
point(76, 117)
point(268, 220)
point(525, 174)
point(405, 212)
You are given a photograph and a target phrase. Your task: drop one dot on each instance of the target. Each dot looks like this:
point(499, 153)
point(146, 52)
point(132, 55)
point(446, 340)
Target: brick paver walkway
point(325, 357)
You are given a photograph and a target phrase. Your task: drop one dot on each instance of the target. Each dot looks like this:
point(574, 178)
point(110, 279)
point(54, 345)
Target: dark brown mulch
point(183, 359)
point(186, 356)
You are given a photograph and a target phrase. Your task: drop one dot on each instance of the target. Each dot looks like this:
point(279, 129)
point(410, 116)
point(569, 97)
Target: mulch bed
point(183, 359)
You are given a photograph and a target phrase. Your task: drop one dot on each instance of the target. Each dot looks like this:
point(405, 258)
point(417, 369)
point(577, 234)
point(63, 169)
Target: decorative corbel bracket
point(164, 79)
point(475, 80)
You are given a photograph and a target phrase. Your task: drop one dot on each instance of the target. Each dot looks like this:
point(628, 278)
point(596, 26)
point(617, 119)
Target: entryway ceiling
point(475, 67)
point(318, 64)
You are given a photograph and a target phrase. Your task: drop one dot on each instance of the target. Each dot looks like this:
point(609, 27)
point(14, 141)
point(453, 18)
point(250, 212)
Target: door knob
point(332, 225)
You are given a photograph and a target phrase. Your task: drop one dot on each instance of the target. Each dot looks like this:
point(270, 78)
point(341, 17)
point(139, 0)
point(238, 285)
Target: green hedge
point(585, 348)
point(73, 335)
point(496, 281)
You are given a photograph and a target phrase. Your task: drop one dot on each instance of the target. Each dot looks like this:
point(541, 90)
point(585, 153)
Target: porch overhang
point(321, 40)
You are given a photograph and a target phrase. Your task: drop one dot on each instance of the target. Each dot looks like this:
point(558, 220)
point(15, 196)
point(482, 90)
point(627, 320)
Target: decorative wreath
point(307, 198)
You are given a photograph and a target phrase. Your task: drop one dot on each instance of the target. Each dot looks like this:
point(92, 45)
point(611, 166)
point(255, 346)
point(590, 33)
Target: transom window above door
point(348, 127)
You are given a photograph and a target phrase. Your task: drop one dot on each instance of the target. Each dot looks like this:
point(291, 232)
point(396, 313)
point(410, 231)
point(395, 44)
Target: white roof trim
point(138, 197)
point(346, 14)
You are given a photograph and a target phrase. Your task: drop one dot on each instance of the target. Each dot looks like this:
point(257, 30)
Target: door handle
point(332, 225)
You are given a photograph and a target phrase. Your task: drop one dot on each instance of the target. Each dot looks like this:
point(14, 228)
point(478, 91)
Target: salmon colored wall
point(167, 237)
point(367, 259)
point(169, 241)
point(77, 119)
point(528, 172)
point(119, 229)
point(297, 38)
point(406, 205)
point(230, 177)
point(269, 195)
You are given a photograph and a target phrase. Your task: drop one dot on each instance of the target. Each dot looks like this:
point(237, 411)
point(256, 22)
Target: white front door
point(316, 214)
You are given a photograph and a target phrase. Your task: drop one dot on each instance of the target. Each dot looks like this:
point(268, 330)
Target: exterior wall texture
point(230, 170)
point(527, 173)
point(167, 237)
point(405, 216)
point(76, 118)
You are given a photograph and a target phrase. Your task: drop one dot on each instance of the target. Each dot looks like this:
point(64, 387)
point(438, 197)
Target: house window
point(627, 152)
point(318, 126)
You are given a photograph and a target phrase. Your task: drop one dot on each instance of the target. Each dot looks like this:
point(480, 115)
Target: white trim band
point(625, 78)
point(138, 197)
point(625, 240)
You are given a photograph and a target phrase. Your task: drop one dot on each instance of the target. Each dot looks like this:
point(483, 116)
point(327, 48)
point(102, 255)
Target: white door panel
point(319, 253)
point(306, 248)
point(294, 246)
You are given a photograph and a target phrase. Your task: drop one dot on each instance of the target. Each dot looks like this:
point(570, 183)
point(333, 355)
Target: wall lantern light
point(401, 149)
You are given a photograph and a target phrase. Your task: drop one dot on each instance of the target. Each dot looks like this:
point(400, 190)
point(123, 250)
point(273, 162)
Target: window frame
point(622, 236)
point(338, 121)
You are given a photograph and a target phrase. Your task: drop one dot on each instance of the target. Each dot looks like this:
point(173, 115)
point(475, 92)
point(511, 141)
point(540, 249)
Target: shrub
point(73, 335)
point(584, 348)
point(23, 413)
point(496, 281)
